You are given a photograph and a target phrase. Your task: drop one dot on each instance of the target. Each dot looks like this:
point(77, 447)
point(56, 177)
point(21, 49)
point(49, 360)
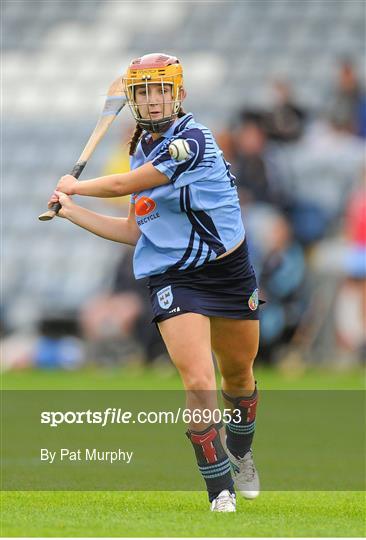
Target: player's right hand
point(65, 201)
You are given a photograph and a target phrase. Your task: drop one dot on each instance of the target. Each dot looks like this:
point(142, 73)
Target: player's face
point(154, 101)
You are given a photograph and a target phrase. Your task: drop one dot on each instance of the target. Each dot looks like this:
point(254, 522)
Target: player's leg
point(187, 338)
point(235, 344)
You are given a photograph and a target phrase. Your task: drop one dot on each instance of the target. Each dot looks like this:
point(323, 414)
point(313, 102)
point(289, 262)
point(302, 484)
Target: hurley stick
point(114, 103)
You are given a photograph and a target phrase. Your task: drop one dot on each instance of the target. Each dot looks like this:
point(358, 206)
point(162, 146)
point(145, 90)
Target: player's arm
point(118, 229)
point(115, 185)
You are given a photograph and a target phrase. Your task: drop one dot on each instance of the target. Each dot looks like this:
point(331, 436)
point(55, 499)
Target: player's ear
point(182, 94)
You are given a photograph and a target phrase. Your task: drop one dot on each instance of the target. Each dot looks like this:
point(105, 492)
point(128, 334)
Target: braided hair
point(135, 139)
point(138, 132)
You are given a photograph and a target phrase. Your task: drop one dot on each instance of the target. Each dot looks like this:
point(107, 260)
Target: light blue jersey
point(196, 217)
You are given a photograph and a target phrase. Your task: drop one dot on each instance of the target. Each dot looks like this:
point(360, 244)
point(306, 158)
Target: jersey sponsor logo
point(253, 300)
point(147, 219)
point(144, 206)
point(165, 297)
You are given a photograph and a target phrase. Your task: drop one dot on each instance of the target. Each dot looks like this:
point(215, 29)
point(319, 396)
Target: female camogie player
point(185, 222)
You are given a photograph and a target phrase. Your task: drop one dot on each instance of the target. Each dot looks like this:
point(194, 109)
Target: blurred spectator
point(350, 312)
point(119, 160)
point(347, 106)
point(319, 174)
point(225, 141)
point(280, 265)
point(355, 226)
point(118, 324)
point(55, 343)
point(254, 169)
point(17, 350)
point(286, 121)
point(59, 344)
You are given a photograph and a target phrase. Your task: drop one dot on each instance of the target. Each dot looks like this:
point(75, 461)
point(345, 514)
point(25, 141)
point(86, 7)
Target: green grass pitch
point(179, 514)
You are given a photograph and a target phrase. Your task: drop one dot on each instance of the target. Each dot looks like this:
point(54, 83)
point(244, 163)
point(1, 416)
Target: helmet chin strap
point(157, 126)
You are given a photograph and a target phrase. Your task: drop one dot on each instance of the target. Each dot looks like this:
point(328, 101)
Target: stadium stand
point(58, 59)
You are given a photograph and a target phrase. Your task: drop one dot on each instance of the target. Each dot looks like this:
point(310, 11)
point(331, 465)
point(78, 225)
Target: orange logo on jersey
point(144, 206)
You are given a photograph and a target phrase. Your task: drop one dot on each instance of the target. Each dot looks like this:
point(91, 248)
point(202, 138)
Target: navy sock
point(212, 460)
point(239, 434)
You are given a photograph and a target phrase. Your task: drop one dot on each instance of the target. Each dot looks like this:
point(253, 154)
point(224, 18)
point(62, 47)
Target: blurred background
point(281, 83)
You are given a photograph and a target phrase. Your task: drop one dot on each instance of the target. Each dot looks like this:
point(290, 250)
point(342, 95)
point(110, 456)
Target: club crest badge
point(253, 300)
point(165, 297)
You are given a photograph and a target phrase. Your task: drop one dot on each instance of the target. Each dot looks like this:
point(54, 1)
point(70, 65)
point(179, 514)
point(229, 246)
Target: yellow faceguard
point(154, 69)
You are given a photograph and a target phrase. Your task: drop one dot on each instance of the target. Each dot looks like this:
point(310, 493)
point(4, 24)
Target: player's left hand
point(66, 184)
point(65, 201)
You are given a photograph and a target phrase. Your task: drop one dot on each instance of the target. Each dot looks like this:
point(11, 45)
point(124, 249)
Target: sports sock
point(212, 460)
point(239, 434)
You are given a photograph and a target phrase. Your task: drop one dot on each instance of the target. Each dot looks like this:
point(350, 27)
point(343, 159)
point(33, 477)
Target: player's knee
point(197, 380)
point(235, 361)
point(238, 375)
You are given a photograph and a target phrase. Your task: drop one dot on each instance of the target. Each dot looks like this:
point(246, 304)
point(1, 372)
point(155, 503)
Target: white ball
point(179, 149)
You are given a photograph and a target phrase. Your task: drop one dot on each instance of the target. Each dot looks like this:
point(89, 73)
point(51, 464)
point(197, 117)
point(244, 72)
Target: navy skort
point(225, 287)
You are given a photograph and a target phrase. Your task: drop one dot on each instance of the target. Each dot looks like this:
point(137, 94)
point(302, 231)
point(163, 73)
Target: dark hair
point(138, 132)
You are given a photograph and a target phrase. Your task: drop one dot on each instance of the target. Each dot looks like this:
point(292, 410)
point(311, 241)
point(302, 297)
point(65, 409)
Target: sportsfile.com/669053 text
point(113, 415)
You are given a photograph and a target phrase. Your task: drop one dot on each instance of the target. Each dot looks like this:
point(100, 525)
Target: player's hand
point(66, 184)
point(65, 201)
